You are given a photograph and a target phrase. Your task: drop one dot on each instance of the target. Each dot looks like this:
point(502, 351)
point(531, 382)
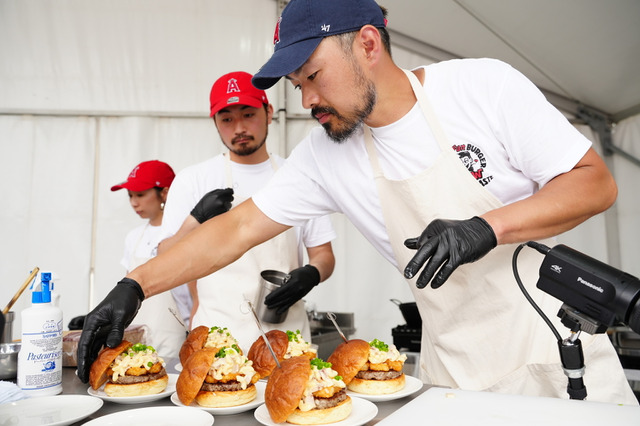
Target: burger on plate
point(306, 392)
point(129, 370)
point(373, 368)
point(217, 378)
point(205, 337)
point(284, 345)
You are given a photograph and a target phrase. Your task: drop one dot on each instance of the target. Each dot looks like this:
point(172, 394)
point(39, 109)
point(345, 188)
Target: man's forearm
point(323, 259)
point(565, 202)
point(189, 224)
point(212, 246)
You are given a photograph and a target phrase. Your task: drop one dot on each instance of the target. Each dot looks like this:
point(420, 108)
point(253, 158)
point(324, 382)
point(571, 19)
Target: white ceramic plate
point(411, 386)
point(362, 411)
point(156, 416)
point(55, 410)
point(171, 388)
point(178, 367)
point(260, 387)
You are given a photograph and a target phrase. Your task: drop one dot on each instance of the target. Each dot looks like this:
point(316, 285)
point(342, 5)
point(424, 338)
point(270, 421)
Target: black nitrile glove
point(301, 281)
point(447, 244)
point(107, 322)
point(212, 204)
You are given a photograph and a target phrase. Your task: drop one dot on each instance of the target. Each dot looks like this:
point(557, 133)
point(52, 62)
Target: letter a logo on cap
point(232, 85)
point(276, 34)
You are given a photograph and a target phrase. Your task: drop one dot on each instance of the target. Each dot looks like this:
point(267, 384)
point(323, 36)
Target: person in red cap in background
point(148, 185)
point(242, 114)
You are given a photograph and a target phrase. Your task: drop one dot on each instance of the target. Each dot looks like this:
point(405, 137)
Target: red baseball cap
point(147, 175)
point(233, 89)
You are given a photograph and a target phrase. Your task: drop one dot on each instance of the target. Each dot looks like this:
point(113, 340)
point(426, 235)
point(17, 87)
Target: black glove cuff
point(134, 285)
point(313, 270)
point(488, 228)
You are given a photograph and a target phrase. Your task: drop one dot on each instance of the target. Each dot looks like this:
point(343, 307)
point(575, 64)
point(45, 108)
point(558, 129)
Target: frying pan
point(409, 312)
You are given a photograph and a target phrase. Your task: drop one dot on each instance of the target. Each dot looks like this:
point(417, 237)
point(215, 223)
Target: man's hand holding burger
point(300, 283)
point(107, 322)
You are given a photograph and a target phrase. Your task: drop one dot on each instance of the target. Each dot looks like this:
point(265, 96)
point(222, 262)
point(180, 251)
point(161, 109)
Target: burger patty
point(129, 380)
point(378, 375)
point(337, 398)
point(220, 387)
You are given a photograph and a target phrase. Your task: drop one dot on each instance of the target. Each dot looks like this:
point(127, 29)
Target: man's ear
point(370, 43)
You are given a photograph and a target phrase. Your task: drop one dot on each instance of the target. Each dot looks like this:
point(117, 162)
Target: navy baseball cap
point(302, 26)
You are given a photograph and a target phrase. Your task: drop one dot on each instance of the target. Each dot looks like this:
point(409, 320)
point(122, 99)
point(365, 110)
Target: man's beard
point(347, 124)
point(245, 150)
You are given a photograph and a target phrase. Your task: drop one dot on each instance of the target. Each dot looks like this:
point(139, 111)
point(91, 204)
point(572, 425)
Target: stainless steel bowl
point(9, 360)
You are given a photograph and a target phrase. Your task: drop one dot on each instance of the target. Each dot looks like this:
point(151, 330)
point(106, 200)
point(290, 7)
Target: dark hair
point(346, 39)
point(158, 191)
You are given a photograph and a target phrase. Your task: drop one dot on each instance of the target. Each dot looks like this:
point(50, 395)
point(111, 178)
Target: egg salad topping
point(229, 363)
point(297, 345)
point(380, 352)
point(137, 356)
point(321, 377)
point(219, 338)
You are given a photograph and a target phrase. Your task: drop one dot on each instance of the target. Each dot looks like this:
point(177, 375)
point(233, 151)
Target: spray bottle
point(40, 356)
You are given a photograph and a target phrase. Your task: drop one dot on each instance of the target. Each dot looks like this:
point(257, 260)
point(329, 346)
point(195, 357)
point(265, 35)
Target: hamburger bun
point(260, 354)
point(195, 375)
point(352, 360)
point(227, 398)
point(349, 357)
point(132, 380)
point(150, 387)
point(377, 387)
point(285, 389)
point(195, 341)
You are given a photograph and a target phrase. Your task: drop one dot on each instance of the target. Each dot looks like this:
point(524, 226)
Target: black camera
point(596, 296)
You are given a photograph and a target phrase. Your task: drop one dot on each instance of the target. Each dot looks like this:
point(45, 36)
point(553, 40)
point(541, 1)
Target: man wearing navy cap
point(387, 156)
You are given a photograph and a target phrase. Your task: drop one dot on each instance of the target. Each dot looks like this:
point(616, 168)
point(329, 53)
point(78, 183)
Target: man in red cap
point(242, 114)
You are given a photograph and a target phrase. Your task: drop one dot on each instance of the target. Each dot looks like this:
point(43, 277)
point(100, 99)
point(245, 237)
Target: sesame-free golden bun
point(377, 387)
point(260, 354)
point(195, 341)
point(150, 387)
point(349, 357)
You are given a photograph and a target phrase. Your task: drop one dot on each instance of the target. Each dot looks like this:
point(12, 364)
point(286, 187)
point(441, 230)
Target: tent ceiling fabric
point(584, 50)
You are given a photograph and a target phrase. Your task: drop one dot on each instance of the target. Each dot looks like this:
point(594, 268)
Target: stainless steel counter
point(72, 385)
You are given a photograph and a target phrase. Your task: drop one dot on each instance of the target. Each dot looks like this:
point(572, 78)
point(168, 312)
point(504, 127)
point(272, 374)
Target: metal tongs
point(332, 317)
point(264, 336)
point(175, 315)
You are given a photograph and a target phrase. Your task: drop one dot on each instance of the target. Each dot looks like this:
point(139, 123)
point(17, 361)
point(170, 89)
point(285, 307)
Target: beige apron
point(470, 322)
point(165, 333)
point(222, 294)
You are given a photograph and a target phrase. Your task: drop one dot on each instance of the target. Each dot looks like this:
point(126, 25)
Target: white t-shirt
point(141, 242)
point(192, 183)
point(500, 124)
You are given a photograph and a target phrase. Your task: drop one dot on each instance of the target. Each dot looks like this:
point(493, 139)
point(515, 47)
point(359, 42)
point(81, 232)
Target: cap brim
point(284, 61)
point(135, 187)
point(242, 100)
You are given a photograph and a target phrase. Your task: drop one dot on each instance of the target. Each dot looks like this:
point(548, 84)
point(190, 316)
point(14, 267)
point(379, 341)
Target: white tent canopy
point(89, 88)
